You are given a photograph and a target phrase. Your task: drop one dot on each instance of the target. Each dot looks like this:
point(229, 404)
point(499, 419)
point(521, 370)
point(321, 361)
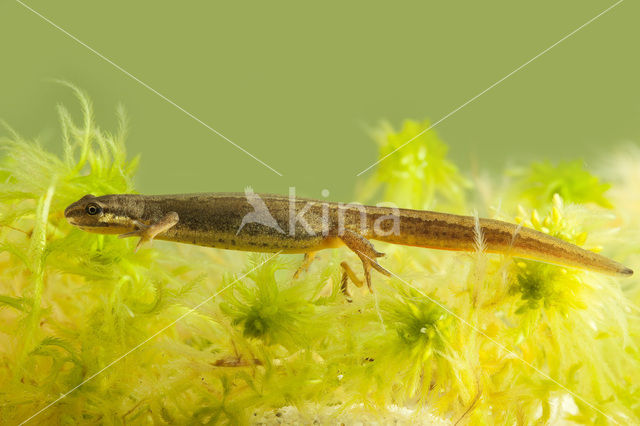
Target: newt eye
point(93, 209)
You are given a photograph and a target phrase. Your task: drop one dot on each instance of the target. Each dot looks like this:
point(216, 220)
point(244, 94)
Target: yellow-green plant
point(538, 183)
point(91, 332)
point(417, 174)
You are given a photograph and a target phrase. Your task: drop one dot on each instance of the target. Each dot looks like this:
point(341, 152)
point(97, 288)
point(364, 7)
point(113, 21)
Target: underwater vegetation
point(91, 332)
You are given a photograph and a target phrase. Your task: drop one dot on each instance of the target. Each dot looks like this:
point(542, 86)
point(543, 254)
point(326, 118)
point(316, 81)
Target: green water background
point(300, 85)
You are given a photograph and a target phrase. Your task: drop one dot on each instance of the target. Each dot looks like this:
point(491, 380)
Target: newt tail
point(459, 233)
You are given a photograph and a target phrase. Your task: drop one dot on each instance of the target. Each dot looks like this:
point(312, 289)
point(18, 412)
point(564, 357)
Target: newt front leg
point(149, 232)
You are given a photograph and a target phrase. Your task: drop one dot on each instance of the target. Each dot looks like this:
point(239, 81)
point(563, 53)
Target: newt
point(276, 223)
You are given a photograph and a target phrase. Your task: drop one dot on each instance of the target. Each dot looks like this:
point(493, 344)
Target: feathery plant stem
point(37, 253)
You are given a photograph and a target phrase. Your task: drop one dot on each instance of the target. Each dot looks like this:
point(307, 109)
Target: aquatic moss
point(178, 334)
point(416, 175)
point(539, 182)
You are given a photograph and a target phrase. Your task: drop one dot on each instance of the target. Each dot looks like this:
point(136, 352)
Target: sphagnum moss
point(480, 338)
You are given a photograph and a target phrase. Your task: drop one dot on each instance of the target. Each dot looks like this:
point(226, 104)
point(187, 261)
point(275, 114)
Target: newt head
point(108, 214)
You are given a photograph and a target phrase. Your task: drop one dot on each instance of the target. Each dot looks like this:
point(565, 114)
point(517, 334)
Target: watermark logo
point(260, 213)
point(316, 217)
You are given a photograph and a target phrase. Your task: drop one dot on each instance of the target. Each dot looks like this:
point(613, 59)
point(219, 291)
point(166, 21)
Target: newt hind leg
point(306, 263)
point(367, 254)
